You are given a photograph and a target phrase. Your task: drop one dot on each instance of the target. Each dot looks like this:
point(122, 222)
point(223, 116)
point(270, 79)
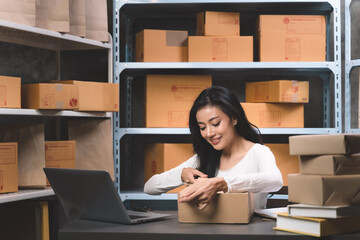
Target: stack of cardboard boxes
point(330, 173)
point(327, 189)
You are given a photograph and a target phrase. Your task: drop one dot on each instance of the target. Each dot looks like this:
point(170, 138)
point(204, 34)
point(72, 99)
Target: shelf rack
point(55, 41)
point(26, 194)
point(350, 64)
point(123, 58)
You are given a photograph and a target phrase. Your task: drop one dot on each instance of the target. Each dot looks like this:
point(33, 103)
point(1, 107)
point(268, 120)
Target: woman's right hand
point(188, 175)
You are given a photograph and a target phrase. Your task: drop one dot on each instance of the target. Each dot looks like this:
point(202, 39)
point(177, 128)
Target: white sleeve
point(163, 182)
point(267, 178)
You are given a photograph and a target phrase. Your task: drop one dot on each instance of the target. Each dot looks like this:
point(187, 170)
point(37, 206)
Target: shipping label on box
point(96, 96)
point(324, 190)
point(221, 49)
point(269, 115)
point(50, 96)
point(160, 157)
point(224, 208)
point(8, 167)
point(330, 164)
point(10, 92)
point(286, 163)
point(161, 46)
point(277, 91)
point(331, 144)
point(169, 98)
point(211, 23)
point(292, 38)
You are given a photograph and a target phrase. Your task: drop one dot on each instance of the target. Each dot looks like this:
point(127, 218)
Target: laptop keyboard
point(137, 216)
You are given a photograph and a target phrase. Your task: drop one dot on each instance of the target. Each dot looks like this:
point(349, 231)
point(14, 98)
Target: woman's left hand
point(202, 191)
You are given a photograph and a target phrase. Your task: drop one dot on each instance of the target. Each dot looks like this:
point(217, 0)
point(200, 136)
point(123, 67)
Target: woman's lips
point(215, 141)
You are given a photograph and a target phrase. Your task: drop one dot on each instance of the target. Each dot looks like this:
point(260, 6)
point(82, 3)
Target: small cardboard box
point(221, 49)
point(211, 23)
point(275, 115)
point(169, 98)
point(224, 208)
point(324, 144)
point(96, 96)
point(8, 167)
point(279, 91)
point(330, 164)
point(161, 46)
point(324, 190)
point(292, 38)
point(286, 163)
point(60, 154)
point(50, 96)
point(10, 92)
point(161, 157)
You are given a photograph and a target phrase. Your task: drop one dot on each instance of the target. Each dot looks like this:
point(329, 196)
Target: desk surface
point(171, 229)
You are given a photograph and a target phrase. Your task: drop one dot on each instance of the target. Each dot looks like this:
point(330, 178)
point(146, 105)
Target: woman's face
point(216, 127)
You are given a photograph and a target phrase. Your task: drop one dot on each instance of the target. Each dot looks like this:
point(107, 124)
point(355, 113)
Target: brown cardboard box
point(169, 98)
point(161, 46)
point(324, 144)
point(330, 164)
point(324, 190)
point(18, 11)
point(49, 96)
point(286, 163)
point(160, 157)
point(272, 115)
point(96, 96)
point(210, 23)
point(10, 92)
point(60, 154)
point(8, 167)
point(278, 91)
point(292, 38)
point(225, 208)
point(221, 49)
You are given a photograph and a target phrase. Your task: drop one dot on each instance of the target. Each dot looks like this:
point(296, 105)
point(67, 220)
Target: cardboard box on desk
point(330, 164)
point(96, 96)
point(286, 163)
point(161, 46)
point(324, 144)
point(278, 91)
point(292, 38)
point(50, 96)
point(225, 208)
point(10, 92)
point(60, 154)
point(272, 115)
point(211, 23)
point(169, 98)
point(161, 157)
point(8, 167)
point(324, 190)
point(221, 49)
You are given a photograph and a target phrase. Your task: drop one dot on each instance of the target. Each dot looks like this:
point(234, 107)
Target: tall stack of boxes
point(218, 39)
point(329, 170)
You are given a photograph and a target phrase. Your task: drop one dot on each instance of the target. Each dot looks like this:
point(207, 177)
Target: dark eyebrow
point(209, 120)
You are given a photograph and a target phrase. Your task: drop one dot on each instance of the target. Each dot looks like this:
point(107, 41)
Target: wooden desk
point(171, 229)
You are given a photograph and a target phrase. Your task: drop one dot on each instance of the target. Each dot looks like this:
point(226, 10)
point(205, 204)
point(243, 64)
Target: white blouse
point(256, 172)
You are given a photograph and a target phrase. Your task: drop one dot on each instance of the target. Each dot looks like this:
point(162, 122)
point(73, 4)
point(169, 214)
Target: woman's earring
point(235, 122)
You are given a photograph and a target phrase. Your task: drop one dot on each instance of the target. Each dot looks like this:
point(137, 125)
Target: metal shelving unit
point(125, 12)
point(55, 41)
point(350, 64)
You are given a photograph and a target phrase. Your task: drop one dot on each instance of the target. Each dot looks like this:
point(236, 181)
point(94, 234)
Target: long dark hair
point(228, 103)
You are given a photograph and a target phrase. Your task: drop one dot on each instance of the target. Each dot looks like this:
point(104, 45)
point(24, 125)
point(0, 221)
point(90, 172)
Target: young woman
point(229, 155)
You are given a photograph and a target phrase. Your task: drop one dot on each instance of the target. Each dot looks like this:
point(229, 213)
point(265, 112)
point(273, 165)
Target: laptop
point(91, 195)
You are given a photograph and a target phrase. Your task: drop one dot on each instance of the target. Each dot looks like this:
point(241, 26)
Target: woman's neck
point(234, 153)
